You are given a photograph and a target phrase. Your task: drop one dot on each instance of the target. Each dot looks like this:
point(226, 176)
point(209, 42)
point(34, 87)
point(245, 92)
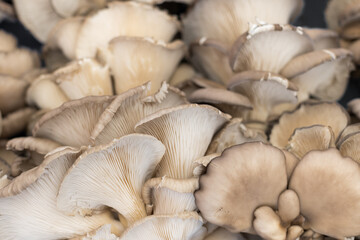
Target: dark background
point(312, 16)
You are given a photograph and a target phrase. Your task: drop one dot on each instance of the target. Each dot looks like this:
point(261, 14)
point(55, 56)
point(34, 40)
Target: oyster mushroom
point(12, 93)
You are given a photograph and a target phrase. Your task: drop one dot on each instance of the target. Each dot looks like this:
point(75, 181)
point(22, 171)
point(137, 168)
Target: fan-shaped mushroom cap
point(306, 139)
point(323, 38)
point(211, 58)
point(340, 13)
point(72, 123)
point(183, 226)
point(349, 146)
point(186, 131)
point(64, 36)
point(223, 234)
point(68, 8)
point(354, 107)
point(328, 188)
point(264, 90)
point(351, 31)
point(84, 77)
point(7, 161)
point(126, 164)
point(182, 73)
point(146, 21)
point(202, 162)
point(321, 73)
point(242, 179)
point(16, 122)
point(34, 193)
point(227, 20)
point(268, 224)
point(18, 62)
point(12, 93)
point(350, 129)
point(327, 114)
point(38, 16)
point(121, 116)
point(134, 61)
point(235, 132)
point(44, 93)
point(268, 47)
point(354, 47)
point(8, 42)
point(169, 196)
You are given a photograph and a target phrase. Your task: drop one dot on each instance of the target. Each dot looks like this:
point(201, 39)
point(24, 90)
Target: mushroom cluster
point(242, 140)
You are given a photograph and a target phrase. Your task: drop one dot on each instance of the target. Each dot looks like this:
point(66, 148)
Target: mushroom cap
point(34, 193)
point(44, 93)
point(179, 226)
point(288, 206)
point(8, 42)
point(329, 67)
point(16, 122)
point(349, 146)
point(7, 11)
point(264, 90)
point(306, 139)
point(354, 107)
point(134, 61)
point(18, 62)
point(102, 233)
point(126, 163)
point(353, 128)
point(323, 38)
point(12, 93)
point(355, 49)
point(146, 21)
point(210, 57)
point(327, 114)
point(39, 145)
point(182, 73)
point(329, 192)
point(64, 36)
point(267, 224)
point(186, 131)
point(72, 123)
point(242, 179)
point(268, 47)
point(340, 13)
point(84, 77)
point(351, 31)
point(38, 16)
point(68, 8)
point(227, 20)
point(222, 233)
point(121, 116)
point(166, 196)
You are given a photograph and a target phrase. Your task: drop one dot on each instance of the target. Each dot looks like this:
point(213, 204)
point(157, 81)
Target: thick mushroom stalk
point(243, 178)
point(29, 202)
point(179, 226)
point(111, 175)
point(134, 61)
point(186, 132)
point(327, 185)
point(121, 116)
point(169, 196)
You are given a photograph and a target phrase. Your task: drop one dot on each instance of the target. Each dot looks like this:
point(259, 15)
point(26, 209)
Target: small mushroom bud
point(268, 224)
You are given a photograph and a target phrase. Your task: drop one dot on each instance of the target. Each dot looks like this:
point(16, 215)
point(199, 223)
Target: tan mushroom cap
point(182, 73)
point(18, 62)
point(146, 21)
point(166, 196)
point(210, 57)
point(242, 179)
point(329, 67)
point(134, 61)
point(323, 38)
point(8, 42)
point(16, 122)
point(351, 31)
point(72, 123)
point(84, 77)
point(354, 107)
point(294, 232)
point(7, 11)
point(186, 131)
point(125, 163)
point(350, 129)
point(39, 145)
point(349, 147)
point(328, 188)
point(179, 226)
point(68, 8)
point(121, 116)
point(327, 114)
point(64, 36)
point(306, 139)
point(354, 47)
point(234, 133)
point(288, 207)
point(12, 93)
point(339, 13)
point(202, 162)
point(268, 47)
point(34, 192)
point(38, 17)
point(44, 93)
point(227, 20)
point(222, 233)
point(54, 59)
point(267, 224)
point(264, 90)
point(8, 161)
